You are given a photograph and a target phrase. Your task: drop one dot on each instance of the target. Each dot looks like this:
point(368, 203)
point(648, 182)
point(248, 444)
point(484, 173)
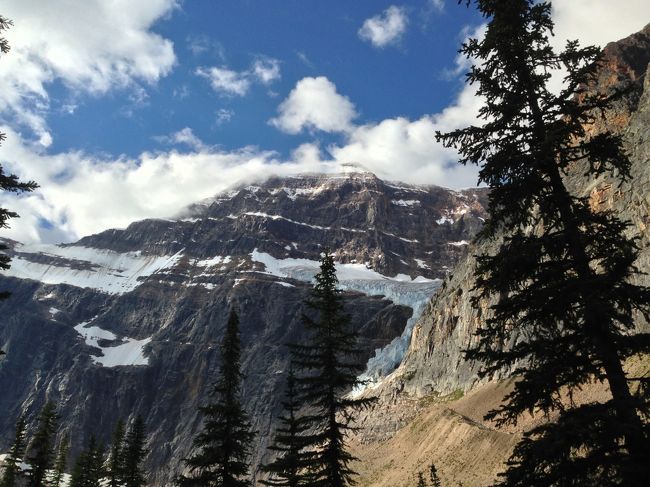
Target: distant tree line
point(40, 462)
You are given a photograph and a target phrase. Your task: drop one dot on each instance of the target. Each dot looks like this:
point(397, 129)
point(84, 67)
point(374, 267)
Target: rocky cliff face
point(128, 322)
point(434, 363)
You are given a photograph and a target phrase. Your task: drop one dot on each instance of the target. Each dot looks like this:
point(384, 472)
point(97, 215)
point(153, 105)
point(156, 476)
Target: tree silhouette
point(330, 362)
point(225, 442)
point(561, 272)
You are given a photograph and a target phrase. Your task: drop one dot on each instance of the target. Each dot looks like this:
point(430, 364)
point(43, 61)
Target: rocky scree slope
point(129, 321)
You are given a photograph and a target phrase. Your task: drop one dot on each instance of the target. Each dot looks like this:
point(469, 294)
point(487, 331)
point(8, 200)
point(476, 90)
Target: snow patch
point(104, 270)
point(459, 244)
point(131, 352)
point(406, 203)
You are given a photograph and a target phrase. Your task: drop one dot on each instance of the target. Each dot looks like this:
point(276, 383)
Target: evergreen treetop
point(222, 459)
point(561, 273)
point(116, 458)
point(330, 364)
point(12, 461)
point(287, 470)
point(61, 462)
point(41, 449)
point(133, 454)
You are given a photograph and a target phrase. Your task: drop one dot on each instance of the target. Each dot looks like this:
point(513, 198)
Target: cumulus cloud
point(91, 46)
point(314, 104)
point(266, 70)
point(226, 81)
point(386, 28)
point(184, 136)
point(598, 21)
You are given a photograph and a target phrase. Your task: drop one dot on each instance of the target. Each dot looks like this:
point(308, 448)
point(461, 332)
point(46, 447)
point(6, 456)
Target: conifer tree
point(134, 453)
point(287, 470)
point(89, 466)
point(12, 461)
point(433, 474)
point(330, 364)
point(41, 449)
point(114, 468)
point(8, 182)
point(61, 463)
point(222, 459)
point(421, 482)
point(561, 272)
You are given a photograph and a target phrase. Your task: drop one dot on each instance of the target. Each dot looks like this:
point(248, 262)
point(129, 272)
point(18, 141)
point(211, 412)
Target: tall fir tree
point(224, 445)
point(61, 462)
point(287, 470)
point(561, 274)
point(133, 454)
point(330, 364)
point(421, 481)
point(8, 182)
point(12, 471)
point(114, 470)
point(40, 454)
point(88, 470)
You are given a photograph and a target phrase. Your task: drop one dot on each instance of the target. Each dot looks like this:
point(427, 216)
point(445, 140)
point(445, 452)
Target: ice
point(444, 219)
point(131, 352)
point(421, 264)
point(400, 289)
point(54, 311)
point(100, 269)
point(459, 244)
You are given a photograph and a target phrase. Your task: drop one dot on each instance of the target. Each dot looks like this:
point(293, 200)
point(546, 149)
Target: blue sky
point(126, 109)
point(305, 38)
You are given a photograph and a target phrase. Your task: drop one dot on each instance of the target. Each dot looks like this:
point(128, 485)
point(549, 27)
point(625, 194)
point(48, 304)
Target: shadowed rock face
point(434, 362)
point(129, 322)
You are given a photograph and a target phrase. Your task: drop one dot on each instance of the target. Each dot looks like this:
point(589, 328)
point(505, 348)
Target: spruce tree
point(41, 449)
point(89, 466)
point(8, 182)
point(287, 470)
point(114, 468)
point(61, 463)
point(561, 273)
point(134, 453)
point(224, 445)
point(330, 364)
point(433, 474)
point(12, 471)
point(421, 482)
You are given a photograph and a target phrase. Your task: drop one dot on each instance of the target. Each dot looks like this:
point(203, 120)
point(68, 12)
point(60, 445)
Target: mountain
point(435, 400)
point(128, 322)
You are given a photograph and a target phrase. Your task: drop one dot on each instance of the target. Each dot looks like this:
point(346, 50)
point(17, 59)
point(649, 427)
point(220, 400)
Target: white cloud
point(598, 21)
point(386, 28)
point(314, 104)
point(438, 5)
point(184, 136)
point(224, 115)
point(92, 46)
point(404, 150)
point(226, 81)
point(266, 70)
